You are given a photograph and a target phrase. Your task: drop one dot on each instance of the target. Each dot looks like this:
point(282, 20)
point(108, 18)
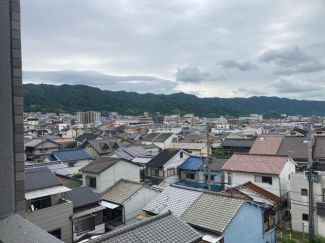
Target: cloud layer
point(208, 48)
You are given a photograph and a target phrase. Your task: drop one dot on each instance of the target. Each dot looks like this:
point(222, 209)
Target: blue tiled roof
point(71, 155)
point(192, 163)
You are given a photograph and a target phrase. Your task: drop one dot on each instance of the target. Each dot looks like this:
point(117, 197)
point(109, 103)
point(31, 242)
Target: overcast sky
point(208, 48)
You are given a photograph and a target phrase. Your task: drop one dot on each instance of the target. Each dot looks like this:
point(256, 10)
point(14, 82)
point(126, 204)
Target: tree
point(319, 239)
point(219, 152)
point(76, 175)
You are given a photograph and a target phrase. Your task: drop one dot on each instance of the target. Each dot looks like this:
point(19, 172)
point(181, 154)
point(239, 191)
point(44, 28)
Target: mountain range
point(73, 98)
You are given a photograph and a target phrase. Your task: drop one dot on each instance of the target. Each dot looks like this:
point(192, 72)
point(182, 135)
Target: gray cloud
point(242, 66)
point(249, 92)
point(192, 74)
point(141, 84)
point(292, 60)
point(290, 84)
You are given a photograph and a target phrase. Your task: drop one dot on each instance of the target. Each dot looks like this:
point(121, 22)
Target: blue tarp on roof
point(50, 157)
point(71, 155)
point(192, 163)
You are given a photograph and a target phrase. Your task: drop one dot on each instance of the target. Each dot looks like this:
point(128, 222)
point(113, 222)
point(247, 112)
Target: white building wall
point(288, 169)
point(98, 184)
point(239, 178)
point(133, 207)
point(77, 166)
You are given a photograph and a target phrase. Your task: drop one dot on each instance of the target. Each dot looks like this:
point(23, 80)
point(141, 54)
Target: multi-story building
point(88, 117)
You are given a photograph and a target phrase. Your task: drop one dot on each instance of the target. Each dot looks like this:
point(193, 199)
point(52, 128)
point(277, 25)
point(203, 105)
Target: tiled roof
point(295, 147)
point(104, 146)
point(260, 191)
point(82, 196)
point(42, 177)
point(266, 144)
point(54, 166)
point(121, 191)
point(100, 164)
point(162, 137)
point(255, 163)
point(164, 228)
point(175, 199)
point(217, 163)
point(150, 137)
point(192, 163)
point(213, 211)
point(163, 157)
point(87, 136)
point(132, 152)
point(237, 142)
point(71, 155)
point(319, 152)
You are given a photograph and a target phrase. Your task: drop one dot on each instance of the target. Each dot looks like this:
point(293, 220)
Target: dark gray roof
point(165, 228)
point(100, 165)
point(163, 157)
point(104, 146)
point(163, 137)
point(319, 152)
point(217, 163)
point(87, 136)
point(54, 166)
point(235, 142)
point(18, 229)
point(295, 147)
point(41, 177)
point(82, 196)
point(150, 137)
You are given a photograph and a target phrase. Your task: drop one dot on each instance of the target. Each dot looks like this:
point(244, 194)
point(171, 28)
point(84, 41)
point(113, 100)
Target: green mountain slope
point(73, 98)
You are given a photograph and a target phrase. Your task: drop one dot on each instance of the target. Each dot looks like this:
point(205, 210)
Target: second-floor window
point(84, 225)
point(263, 179)
point(190, 176)
point(304, 192)
point(42, 202)
point(91, 181)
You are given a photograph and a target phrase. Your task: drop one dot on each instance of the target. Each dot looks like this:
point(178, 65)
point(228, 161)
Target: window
point(72, 164)
point(170, 172)
point(212, 177)
point(86, 224)
point(304, 192)
point(305, 217)
point(91, 181)
point(42, 202)
point(56, 233)
point(263, 179)
point(190, 176)
point(181, 154)
point(89, 146)
point(155, 172)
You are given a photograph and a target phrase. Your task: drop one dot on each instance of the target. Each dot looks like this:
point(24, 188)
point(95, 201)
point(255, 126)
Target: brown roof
point(256, 163)
point(319, 152)
point(267, 144)
point(251, 186)
point(295, 147)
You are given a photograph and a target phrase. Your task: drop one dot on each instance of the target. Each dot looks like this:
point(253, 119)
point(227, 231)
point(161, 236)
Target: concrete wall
point(53, 218)
point(247, 226)
point(11, 109)
point(288, 169)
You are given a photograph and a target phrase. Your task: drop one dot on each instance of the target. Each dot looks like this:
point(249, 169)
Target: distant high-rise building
point(88, 117)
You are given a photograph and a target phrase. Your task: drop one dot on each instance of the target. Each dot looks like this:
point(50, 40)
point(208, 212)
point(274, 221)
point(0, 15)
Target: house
point(217, 216)
point(131, 152)
point(274, 206)
point(46, 205)
point(193, 172)
point(271, 172)
point(165, 165)
point(101, 147)
point(72, 133)
point(296, 148)
point(165, 228)
point(267, 144)
point(299, 195)
point(162, 140)
point(87, 215)
point(87, 136)
point(237, 145)
point(38, 147)
point(104, 172)
point(73, 159)
point(125, 200)
point(196, 148)
point(297, 132)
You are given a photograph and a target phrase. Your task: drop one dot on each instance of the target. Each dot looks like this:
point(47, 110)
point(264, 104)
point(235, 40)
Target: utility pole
point(310, 169)
point(208, 160)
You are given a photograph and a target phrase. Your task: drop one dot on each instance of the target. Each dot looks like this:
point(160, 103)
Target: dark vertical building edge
point(17, 101)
